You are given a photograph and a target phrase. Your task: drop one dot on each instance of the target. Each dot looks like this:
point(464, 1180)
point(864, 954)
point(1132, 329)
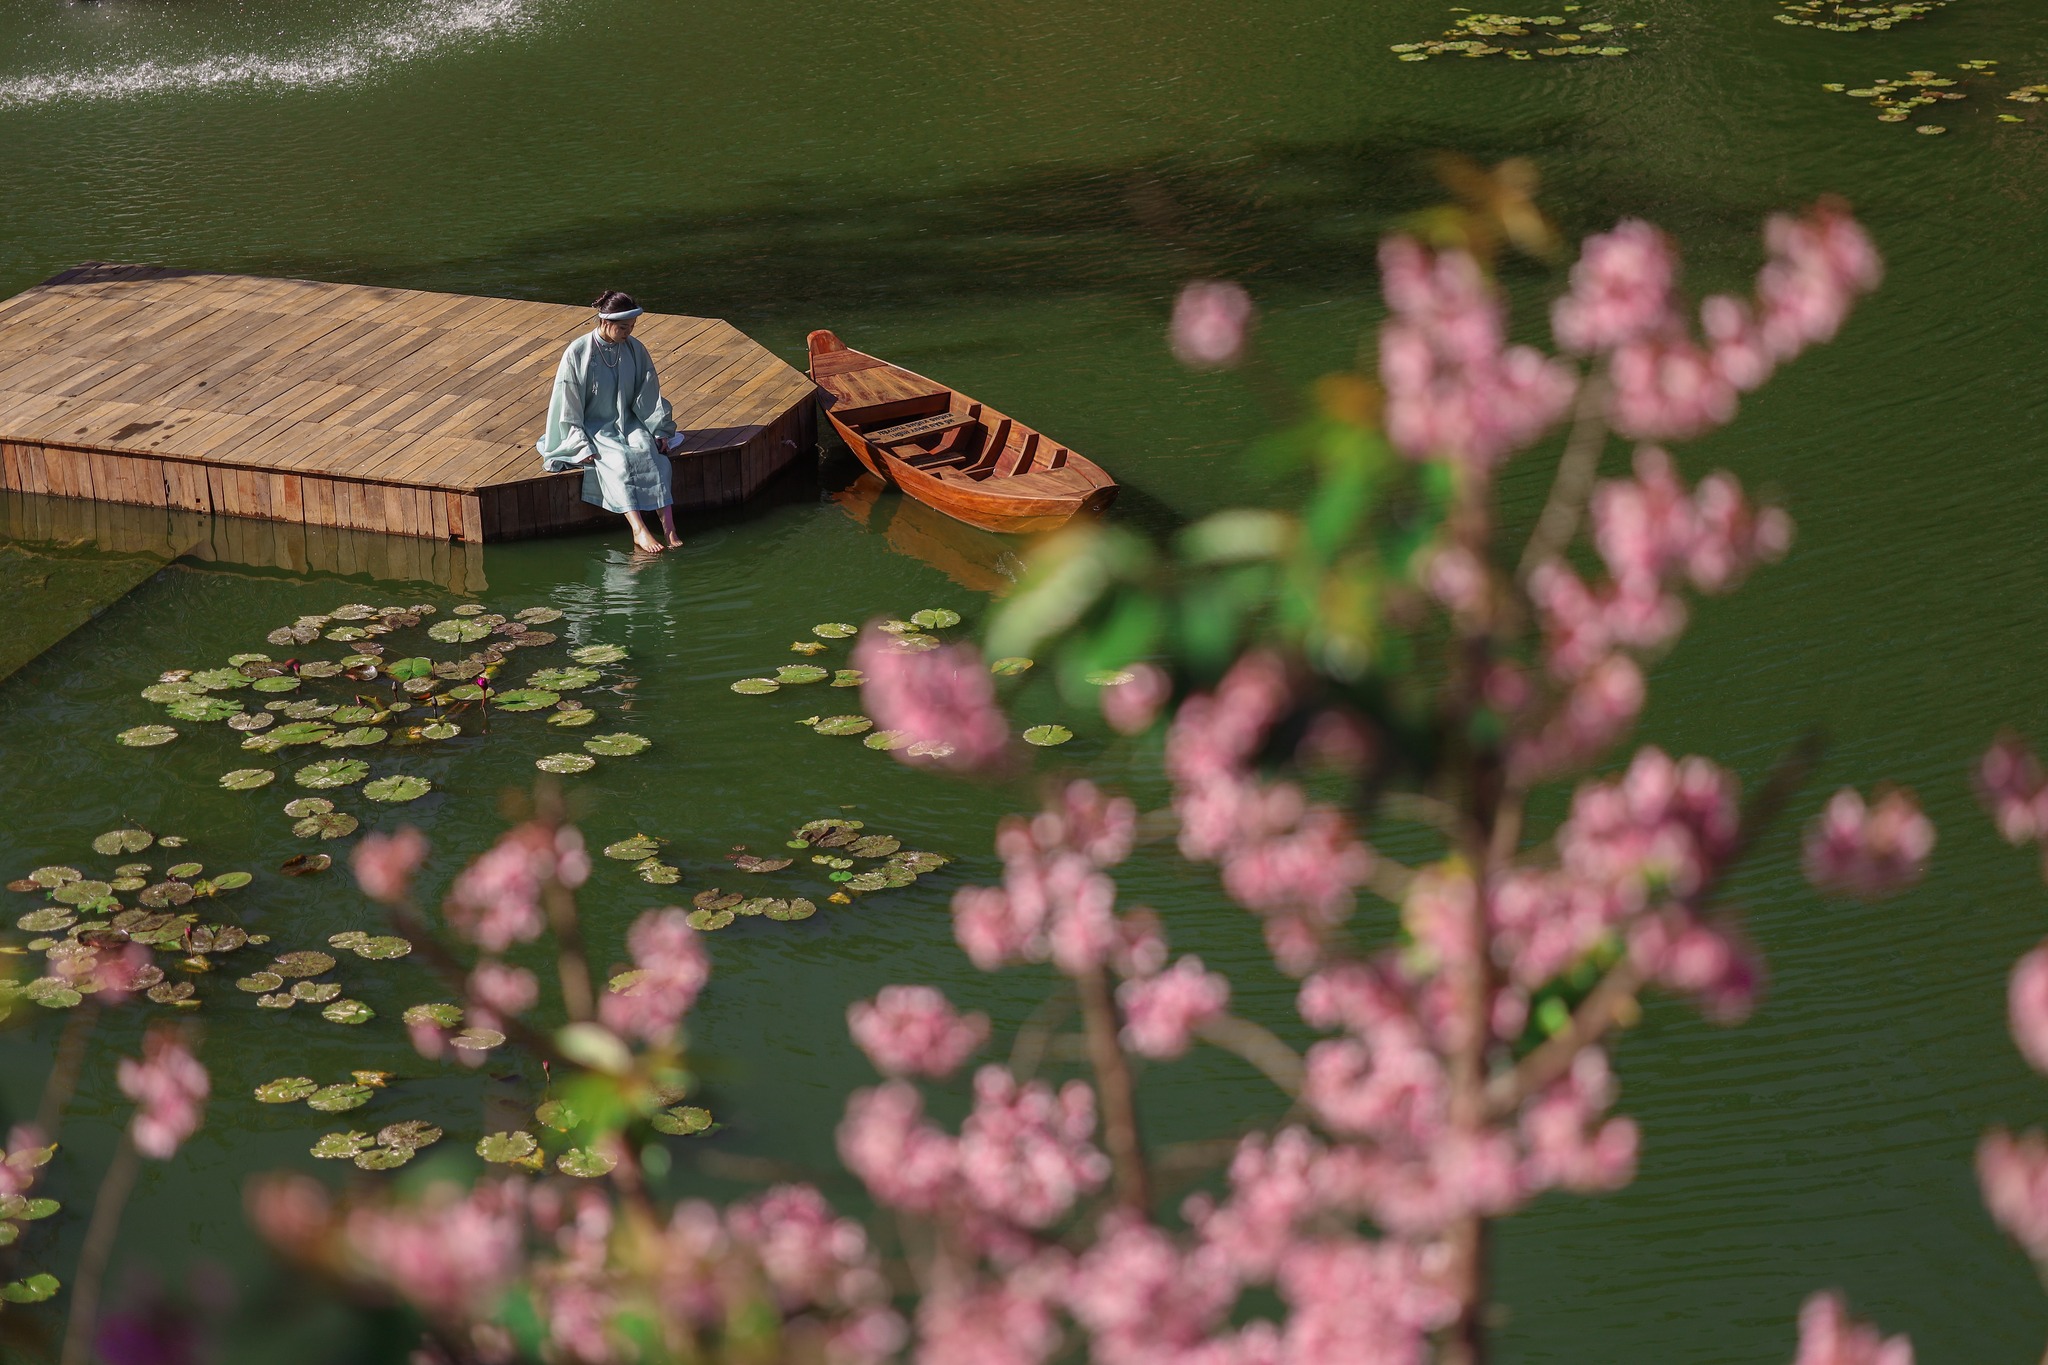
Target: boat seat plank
point(922, 426)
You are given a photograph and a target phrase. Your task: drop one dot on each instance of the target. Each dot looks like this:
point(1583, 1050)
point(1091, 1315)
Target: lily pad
point(339, 1099)
point(599, 654)
point(1110, 677)
point(88, 892)
point(655, 872)
point(231, 881)
point(457, 632)
point(251, 720)
point(383, 948)
point(147, 736)
point(707, 921)
point(301, 807)
point(756, 687)
point(466, 692)
point(55, 875)
point(332, 772)
point(295, 732)
point(172, 993)
point(440, 1014)
point(361, 737)
point(334, 825)
point(791, 910)
point(792, 674)
point(305, 864)
point(348, 1012)
point(439, 729)
point(634, 849)
point(835, 630)
point(32, 1289)
point(558, 1115)
point(537, 616)
point(283, 683)
point(397, 787)
point(714, 899)
point(53, 992)
point(477, 1039)
point(383, 1158)
point(917, 861)
point(747, 862)
point(1010, 667)
point(935, 618)
point(1045, 736)
point(405, 670)
point(844, 725)
point(874, 846)
point(887, 740)
point(341, 1146)
point(203, 709)
point(586, 1163)
point(849, 677)
point(565, 763)
point(304, 962)
point(683, 1120)
point(617, 745)
point(807, 647)
point(930, 748)
point(569, 720)
point(526, 699)
point(259, 983)
point(409, 1133)
point(505, 1148)
point(220, 679)
point(315, 992)
point(898, 627)
point(47, 921)
point(165, 692)
point(276, 1000)
point(866, 881)
point(286, 1090)
point(564, 679)
point(247, 779)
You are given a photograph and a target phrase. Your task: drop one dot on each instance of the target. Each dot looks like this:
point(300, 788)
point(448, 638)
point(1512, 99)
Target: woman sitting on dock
point(607, 417)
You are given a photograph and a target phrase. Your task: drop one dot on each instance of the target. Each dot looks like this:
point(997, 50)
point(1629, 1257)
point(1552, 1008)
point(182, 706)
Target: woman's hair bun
point(615, 301)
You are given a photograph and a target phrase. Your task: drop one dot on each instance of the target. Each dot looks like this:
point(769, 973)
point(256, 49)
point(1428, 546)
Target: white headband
point(621, 316)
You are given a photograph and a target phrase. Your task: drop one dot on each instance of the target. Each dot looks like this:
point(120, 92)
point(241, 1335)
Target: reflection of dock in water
point(975, 559)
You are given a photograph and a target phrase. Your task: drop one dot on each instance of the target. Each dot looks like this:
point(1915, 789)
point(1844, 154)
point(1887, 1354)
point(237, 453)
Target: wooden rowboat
point(950, 452)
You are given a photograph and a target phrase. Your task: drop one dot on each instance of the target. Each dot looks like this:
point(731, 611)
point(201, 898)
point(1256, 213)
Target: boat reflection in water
point(975, 559)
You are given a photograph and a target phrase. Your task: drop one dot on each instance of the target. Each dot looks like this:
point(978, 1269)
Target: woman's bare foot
point(674, 543)
point(643, 541)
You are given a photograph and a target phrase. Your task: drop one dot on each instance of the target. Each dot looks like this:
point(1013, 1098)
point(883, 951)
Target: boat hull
point(1010, 513)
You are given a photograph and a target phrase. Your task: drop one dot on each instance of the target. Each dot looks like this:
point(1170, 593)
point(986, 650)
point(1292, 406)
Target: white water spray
point(429, 28)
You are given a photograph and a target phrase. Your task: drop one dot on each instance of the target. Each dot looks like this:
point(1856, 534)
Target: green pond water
point(1007, 196)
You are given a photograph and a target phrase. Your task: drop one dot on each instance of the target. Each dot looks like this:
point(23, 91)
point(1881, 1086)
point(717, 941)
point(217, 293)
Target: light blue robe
point(605, 418)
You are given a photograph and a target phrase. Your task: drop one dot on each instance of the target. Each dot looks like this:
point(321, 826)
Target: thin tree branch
point(1260, 1046)
point(1576, 471)
point(1113, 1081)
point(64, 1071)
point(100, 1236)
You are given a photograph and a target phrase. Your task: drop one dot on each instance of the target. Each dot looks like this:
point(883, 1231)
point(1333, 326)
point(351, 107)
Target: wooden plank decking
point(349, 406)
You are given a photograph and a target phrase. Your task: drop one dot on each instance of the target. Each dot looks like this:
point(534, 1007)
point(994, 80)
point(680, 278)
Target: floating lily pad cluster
point(913, 633)
point(377, 694)
point(1896, 100)
point(1520, 37)
point(20, 1209)
point(1855, 16)
point(85, 916)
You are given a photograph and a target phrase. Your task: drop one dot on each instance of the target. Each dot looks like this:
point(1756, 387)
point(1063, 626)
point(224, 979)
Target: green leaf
point(34, 1289)
point(397, 787)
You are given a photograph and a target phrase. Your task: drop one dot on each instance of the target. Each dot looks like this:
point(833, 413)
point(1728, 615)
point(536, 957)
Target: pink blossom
point(291, 1211)
point(1829, 1336)
point(1055, 903)
point(1818, 265)
point(452, 1253)
point(112, 974)
point(502, 990)
point(905, 1162)
point(1010, 1323)
point(1582, 627)
point(1712, 964)
point(1389, 1086)
point(429, 1039)
point(385, 863)
point(1441, 913)
point(1025, 1154)
point(809, 1254)
point(1210, 320)
point(1665, 825)
point(1621, 290)
point(914, 1030)
point(672, 968)
point(2010, 785)
point(1455, 390)
point(2027, 1006)
point(1736, 342)
point(940, 697)
point(1216, 735)
point(1567, 1142)
point(2012, 1172)
point(1161, 1013)
point(1544, 922)
point(169, 1088)
point(1273, 1186)
point(1144, 1301)
point(1667, 389)
point(1312, 869)
point(1131, 707)
point(1866, 851)
point(1600, 708)
point(1099, 827)
point(496, 902)
point(1355, 1301)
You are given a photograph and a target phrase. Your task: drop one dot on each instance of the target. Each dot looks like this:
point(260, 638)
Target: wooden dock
point(335, 405)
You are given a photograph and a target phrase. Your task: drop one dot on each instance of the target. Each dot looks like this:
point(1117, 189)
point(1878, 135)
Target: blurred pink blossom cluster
point(1455, 389)
point(942, 699)
point(1211, 319)
point(1829, 1336)
point(915, 1031)
point(1664, 383)
point(1056, 902)
point(1295, 863)
point(169, 1087)
point(497, 900)
point(593, 1284)
point(670, 967)
point(1868, 850)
